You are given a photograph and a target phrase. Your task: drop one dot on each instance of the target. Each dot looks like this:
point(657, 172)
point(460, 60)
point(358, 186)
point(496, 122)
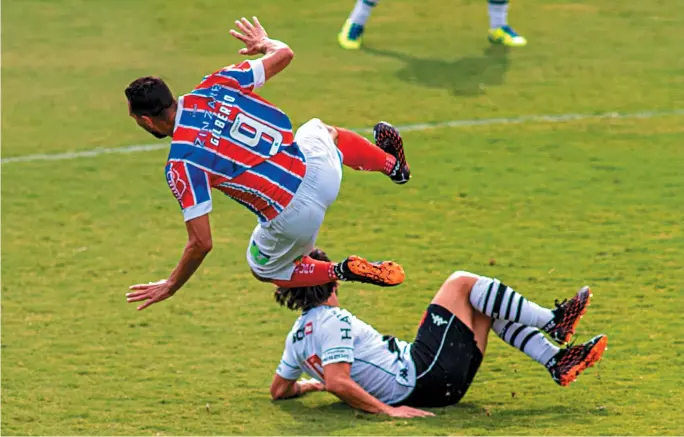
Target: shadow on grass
point(467, 76)
point(338, 416)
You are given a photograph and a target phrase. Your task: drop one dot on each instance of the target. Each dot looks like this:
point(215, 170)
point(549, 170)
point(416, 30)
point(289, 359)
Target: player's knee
point(461, 282)
point(462, 274)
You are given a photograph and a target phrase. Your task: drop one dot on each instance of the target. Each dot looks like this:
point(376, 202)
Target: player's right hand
point(151, 293)
point(253, 35)
point(408, 412)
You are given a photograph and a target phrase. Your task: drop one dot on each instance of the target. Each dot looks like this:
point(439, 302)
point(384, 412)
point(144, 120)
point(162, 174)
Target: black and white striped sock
point(498, 301)
point(529, 340)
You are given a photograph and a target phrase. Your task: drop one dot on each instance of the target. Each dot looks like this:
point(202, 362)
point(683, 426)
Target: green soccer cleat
point(507, 36)
point(350, 36)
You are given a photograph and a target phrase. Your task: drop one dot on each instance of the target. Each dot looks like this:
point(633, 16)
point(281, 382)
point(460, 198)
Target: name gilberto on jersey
point(219, 119)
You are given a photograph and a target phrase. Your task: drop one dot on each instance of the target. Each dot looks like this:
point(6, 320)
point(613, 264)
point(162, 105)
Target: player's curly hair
point(149, 96)
point(305, 298)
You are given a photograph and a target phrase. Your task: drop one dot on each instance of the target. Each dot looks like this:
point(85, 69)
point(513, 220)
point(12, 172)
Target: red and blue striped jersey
point(228, 138)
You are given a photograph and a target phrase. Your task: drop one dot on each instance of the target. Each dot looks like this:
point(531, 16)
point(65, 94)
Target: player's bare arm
point(282, 388)
point(338, 381)
point(198, 246)
point(277, 54)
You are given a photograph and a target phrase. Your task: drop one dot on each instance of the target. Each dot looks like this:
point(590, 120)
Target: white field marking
point(560, 118)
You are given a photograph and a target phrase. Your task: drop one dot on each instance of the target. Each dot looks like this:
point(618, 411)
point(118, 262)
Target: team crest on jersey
point(308, 328)
point(176, 184)
point(438, 320)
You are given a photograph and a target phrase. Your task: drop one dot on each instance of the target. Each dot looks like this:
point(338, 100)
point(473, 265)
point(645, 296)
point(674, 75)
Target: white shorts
point(276, 244)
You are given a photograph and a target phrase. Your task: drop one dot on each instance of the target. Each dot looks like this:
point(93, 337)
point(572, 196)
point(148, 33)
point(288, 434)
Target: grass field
point(556, 205)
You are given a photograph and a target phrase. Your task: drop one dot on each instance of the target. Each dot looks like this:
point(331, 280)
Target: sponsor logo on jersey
point(302, 332)
point(314, 364)
point(298, 335)
point(438, 320)
point(335, 355)
point(176, 184)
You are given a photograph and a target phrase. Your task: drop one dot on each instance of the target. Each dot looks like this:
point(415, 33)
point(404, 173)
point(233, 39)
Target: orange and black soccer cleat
point(357, 269)
point(388, 139)
point(568, 363)
point(567, 316)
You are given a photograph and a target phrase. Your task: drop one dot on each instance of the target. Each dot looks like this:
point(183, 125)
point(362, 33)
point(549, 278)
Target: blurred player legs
point(352, 32)
point(351, 35)
point(499, 30)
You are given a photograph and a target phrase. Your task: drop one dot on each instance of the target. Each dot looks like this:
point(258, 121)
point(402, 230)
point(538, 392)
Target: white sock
point(529, 340)
point(498, 301)
point(362, 11)
point(498, 14)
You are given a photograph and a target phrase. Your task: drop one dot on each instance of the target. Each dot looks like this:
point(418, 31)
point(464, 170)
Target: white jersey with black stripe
point(326, 335)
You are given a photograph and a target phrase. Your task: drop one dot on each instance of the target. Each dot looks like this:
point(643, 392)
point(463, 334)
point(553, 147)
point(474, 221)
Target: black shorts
point(446, 358)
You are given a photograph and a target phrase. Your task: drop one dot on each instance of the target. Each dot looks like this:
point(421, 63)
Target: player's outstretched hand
point(408, 412)
point(152, 292)
point(311, 385)
point(253, 35)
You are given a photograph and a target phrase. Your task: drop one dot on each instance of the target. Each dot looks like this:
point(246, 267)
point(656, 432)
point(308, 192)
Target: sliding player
point(381, 374)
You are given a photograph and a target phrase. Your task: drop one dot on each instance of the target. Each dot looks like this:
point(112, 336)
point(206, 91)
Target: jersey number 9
point(260, 131)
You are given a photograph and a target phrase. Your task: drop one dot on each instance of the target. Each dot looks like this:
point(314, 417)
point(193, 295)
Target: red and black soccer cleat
point(567, 364)
point(388, 139)
point(567, 316)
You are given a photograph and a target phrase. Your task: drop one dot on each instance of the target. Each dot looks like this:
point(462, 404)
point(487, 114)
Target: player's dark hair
point(305, 298)
point(149, 96)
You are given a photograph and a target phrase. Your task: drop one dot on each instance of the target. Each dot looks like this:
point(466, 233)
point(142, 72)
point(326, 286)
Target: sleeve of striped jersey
point(190, 185)
point(288, 367)
point(337, 342)
point(248, 74)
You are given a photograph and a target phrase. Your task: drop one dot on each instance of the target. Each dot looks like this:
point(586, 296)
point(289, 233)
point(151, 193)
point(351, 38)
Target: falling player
point(351, 35)
point(381, 374)
point(226, 137)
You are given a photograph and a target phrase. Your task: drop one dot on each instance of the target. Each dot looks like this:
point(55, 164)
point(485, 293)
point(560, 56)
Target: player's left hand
point(253, 35)
point(151, 292)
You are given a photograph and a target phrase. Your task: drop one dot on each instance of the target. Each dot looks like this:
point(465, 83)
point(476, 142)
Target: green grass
point(555, 205)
